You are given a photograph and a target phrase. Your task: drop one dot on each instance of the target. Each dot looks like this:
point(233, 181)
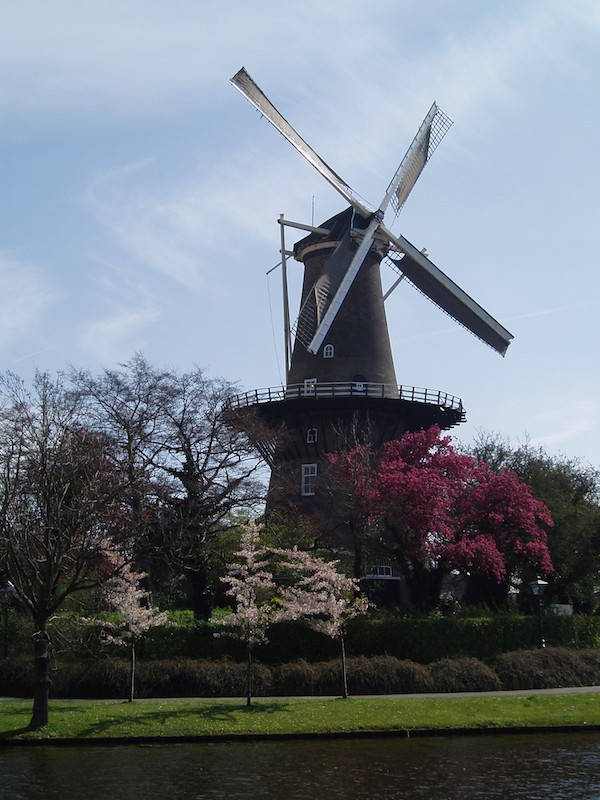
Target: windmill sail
point(446, 294)
point(433, 129)
point(325, 298)
point(244, 83)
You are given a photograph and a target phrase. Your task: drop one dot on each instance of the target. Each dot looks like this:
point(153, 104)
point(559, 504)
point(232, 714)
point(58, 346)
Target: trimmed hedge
point(550, 668)
point(376, 675)
point(463, 675)
point(421, 639)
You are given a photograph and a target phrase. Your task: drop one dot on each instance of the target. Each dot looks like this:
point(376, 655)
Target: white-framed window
point(358, 383)
point(310, 385)
point(309, 477)
point(311, 436)
point(328, 351)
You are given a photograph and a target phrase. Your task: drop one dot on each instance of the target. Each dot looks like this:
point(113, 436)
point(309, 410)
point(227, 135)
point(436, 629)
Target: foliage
point(252, 588)
point(325, 599)
point(322, 597)
point(123, 592)
point(463, 675)
point(109, 677)
point(571, 490)
point(548, 668)
point(435, 510)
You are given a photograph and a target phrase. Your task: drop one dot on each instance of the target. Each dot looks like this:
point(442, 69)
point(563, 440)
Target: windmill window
point(310, 385)
point(309, 477)
point(358, 383)
point(328, 351)
point(311, 436)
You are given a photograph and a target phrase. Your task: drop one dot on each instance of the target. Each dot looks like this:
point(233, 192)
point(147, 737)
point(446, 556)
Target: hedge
point(548, 669)
point(553, 667)
point(420, 639)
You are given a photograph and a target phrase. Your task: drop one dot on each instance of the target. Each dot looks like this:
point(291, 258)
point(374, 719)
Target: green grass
point(89, 719)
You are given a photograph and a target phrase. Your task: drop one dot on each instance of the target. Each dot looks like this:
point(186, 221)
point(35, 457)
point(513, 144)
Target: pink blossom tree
point(322, 597)
point(252, 588)
point(434, 509)
point(124, 594)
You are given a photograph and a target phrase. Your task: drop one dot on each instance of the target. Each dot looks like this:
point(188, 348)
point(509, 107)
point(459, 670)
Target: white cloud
point(130, 313)
point(25, 297)
point(124, 330)
point(567, 434)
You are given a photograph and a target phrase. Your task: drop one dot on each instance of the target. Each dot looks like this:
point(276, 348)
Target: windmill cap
point(338, 227)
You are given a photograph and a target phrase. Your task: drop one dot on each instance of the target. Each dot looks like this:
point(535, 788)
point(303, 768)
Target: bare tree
point(213, 472)
point(128, 404)
point(60, 493)
point(189, 470)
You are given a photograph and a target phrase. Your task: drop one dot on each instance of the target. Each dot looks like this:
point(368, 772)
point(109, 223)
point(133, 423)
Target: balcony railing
point(318, 391)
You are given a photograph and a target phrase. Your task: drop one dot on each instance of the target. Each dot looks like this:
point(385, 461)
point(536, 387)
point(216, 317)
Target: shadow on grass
point(148, 721)
point(24, 714)
point(16, 732)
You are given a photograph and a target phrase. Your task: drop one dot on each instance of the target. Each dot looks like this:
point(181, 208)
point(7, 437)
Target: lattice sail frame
point(433, 129)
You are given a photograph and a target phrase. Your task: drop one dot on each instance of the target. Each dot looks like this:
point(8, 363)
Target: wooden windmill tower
point(339, 369)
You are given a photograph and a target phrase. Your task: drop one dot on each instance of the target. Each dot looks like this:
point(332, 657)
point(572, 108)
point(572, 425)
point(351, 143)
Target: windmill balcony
point(328, 391)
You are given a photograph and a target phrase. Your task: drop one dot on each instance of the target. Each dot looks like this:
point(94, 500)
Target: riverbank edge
point(404, 733)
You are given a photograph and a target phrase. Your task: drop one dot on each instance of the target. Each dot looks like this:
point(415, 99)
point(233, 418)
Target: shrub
point(194, 678)
point(463, 675)
point(421, 639)
point(295, 678)
point(387, 675)
point(548, 668)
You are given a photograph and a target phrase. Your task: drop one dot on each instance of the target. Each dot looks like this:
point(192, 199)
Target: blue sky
point(140, 192)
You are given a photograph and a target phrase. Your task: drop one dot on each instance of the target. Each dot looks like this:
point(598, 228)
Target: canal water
point(518, 766)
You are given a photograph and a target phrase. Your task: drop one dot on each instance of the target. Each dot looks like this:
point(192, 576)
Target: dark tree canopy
point(571, 490)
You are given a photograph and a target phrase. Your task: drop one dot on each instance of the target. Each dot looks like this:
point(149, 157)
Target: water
point(523, 766)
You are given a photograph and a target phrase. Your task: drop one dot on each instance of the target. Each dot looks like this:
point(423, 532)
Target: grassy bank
point(88, 719)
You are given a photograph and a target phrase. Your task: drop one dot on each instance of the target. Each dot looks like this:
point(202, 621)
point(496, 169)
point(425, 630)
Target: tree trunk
point(344, 677)
point(425, 585)
point(358, 558)
point(201, 595)
point(132, 672)
point(249, 677)
point(41, 690)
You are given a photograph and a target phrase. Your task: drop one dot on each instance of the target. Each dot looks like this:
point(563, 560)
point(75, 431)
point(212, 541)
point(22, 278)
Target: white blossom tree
point(123, 592)
point(321, 596)
point(252, 588)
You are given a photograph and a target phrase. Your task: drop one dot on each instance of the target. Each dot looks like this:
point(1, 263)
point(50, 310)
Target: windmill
point(341, 354)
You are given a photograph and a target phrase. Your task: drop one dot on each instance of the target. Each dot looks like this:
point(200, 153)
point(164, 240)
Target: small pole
point(132, 671)
point(541, 621)
point(344, 678)
point(5, 638)
point(286, 306)
point(249, 676)
point(537, 588)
